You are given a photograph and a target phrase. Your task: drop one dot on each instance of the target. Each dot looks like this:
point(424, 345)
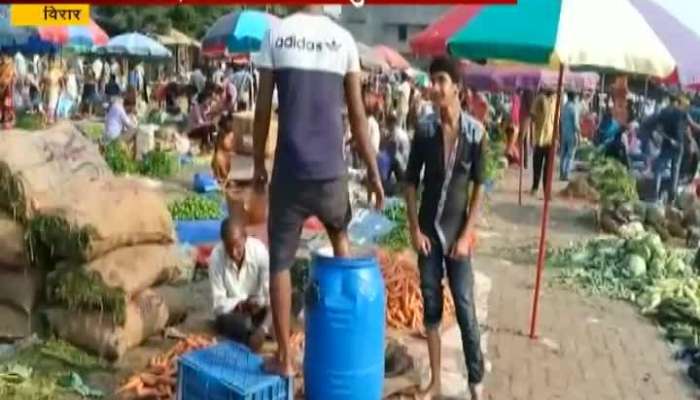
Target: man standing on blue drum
point(448, 149)
point(315, 65)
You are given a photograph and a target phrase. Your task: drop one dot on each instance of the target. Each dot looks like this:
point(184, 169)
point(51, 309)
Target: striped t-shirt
point(310, 55)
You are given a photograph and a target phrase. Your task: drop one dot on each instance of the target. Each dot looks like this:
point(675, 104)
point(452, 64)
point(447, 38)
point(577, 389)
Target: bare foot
point(477, 391)
point(274, 366)
point(432, 392)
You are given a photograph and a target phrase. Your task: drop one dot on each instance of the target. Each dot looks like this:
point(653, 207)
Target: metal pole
point(545, 207)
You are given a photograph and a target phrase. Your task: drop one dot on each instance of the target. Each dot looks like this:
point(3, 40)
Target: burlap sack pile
point(100, 243)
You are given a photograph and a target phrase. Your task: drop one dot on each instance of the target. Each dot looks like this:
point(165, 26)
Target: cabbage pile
point(641, 269)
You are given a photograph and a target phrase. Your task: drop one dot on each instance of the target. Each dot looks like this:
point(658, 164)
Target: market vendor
point(239, 273)
point(118, 124)
point(201, 122)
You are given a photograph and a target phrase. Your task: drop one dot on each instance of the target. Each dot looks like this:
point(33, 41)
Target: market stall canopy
point(237, 32)
point(370, 60)
point(556, 32)
point(176, 38)
point(432, 40)
point(76, 37)
point(516, 77)
point(391, 57)
point(135, 44)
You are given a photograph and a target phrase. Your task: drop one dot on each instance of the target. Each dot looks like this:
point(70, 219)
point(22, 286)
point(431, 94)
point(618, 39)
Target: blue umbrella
point(135, 44)
point(237, 32)
point(20, 39)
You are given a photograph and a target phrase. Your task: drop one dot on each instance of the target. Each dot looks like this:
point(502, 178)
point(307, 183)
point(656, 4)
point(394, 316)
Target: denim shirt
point(445, 188)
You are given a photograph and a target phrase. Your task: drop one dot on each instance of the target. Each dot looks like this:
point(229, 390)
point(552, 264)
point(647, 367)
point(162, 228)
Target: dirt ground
point(587, 348)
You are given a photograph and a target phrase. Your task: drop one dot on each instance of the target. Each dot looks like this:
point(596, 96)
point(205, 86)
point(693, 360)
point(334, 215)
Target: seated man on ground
point(239, 275)
point(118, 124)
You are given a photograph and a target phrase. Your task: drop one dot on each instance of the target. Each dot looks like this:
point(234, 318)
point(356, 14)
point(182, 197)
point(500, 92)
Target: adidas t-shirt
point(309, 56)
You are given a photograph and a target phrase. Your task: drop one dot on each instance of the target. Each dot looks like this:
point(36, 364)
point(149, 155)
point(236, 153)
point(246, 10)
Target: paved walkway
point(589, 348)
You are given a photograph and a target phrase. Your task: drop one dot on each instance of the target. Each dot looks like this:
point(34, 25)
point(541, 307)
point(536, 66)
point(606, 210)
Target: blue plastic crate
point(198, 232)
point(204, 182)
point(229, 371)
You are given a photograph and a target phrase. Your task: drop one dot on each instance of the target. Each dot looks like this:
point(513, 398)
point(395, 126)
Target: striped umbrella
point(639, 36)
point(79, 37)
point(237, 32)
point(20, 39)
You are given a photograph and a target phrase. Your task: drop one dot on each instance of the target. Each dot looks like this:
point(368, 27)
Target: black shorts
point(292, 202)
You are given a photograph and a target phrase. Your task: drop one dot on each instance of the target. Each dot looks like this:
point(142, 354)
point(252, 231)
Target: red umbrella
point(76, 36)
point(391, 57)
point(432, 40)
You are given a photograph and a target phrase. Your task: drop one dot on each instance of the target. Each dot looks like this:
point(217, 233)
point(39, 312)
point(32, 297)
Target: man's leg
point(461, 279)
point(330, 202)
point(286, 219)
point(537, 161)
point(431, 272)
point(675, 175)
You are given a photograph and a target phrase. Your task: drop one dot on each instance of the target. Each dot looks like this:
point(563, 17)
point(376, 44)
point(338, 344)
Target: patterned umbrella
point(80, 37)
point(237, 32)
point(135, 44)
point(558, 32)
point(391, 57)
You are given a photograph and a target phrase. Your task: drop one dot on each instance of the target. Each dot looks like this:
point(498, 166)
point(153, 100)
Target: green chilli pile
point(195, 207)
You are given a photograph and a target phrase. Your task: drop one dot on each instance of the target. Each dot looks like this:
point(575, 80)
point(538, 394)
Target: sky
point(686, 11)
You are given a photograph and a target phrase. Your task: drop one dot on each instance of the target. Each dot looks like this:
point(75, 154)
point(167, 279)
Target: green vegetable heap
point(158, 164)
point(117, 157)
point(195, 207)
point(612, 180)
point(398, 238)
point(661, 282)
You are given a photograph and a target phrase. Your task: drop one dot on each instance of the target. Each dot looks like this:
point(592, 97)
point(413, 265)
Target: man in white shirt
point(404, 99)
point(239, 274)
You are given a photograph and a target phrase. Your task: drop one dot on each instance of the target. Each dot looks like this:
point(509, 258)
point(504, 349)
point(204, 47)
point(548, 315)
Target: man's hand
point(375, 186)
point(260, 176)
point(420, 242)
point(464, 246)
point(257, 340)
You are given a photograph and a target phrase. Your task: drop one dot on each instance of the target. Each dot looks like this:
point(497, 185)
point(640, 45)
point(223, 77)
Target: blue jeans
point(660, 165)
point(568, 152)
point(461, 280)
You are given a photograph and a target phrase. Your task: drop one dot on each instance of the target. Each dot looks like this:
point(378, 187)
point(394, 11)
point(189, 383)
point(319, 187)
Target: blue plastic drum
point(344, 351)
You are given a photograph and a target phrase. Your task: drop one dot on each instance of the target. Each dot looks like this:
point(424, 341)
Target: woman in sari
point(7, 83)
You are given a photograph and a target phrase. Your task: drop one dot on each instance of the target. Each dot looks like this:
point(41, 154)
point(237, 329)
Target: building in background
point(389, 25)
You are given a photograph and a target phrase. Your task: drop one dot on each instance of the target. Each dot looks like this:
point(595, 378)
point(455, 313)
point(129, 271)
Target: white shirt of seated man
point(239, 275)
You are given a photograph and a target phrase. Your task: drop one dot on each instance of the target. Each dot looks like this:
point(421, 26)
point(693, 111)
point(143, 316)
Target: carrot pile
point(403, 296)
point(159, 380)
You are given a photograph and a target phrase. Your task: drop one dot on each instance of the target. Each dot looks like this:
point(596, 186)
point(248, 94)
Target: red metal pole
point(545, 207)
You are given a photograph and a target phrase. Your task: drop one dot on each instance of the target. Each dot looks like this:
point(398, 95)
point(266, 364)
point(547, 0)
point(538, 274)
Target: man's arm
point(261, 124)
point(412, 180)
point(359, 128)
point(694, 125)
